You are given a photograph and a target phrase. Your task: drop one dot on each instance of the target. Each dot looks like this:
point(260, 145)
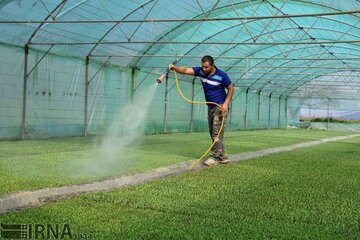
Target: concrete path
point(28, 199)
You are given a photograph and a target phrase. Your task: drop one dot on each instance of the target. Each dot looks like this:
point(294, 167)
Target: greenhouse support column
point(328, 111)
point(132, 82)
point(192, 105)
point(23, 121)
point(269, 121)
point(309, 111)
point(86, 95)
point(279, 111)
point(258, 113)
point(246, 105)
point(166, 101)
point(230, 116)
point(286, 113)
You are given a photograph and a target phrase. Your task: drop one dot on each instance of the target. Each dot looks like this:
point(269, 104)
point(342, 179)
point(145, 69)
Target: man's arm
point(182, 70)
point(225, 106)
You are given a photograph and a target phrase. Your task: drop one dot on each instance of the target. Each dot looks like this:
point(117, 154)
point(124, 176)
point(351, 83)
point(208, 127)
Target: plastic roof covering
point(278, 69)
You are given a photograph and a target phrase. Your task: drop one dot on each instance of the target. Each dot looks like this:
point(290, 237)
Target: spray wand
point(159, 80)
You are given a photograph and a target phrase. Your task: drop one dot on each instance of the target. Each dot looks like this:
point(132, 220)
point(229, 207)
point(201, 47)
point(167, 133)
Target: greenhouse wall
point(56, 99)
point(11, 85)
point(264, 112)
point(109, 90)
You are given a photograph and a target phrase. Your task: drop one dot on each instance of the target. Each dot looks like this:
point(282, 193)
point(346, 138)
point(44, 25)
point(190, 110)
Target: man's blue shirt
point(214, 85)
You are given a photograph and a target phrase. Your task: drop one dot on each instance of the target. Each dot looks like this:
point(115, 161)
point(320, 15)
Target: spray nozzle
point(159, 80)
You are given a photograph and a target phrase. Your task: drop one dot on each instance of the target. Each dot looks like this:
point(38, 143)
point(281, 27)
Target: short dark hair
point(208, 58)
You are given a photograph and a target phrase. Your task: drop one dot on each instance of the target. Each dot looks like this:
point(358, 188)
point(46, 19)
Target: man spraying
point(214, 82)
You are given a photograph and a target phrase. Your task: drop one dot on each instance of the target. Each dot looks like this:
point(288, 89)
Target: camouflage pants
point(215, 118)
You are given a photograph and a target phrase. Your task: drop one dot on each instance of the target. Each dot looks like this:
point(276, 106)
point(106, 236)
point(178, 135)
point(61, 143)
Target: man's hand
point(225, 109)
point(171, 67)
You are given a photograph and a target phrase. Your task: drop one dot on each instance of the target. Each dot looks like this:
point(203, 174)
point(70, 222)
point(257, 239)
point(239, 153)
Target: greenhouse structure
point(68, 66)
point(104, 128)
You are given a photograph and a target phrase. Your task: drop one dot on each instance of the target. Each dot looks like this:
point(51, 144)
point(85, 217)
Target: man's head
point(207, 64)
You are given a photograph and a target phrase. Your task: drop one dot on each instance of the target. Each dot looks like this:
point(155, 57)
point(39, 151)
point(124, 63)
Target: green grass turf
point(33, 164)
point(310, 193)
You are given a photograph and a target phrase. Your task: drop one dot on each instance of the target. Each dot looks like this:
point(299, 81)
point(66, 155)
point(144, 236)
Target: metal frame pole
point(166, 101)
point(286, 111)
point(304, 58)
point(230, 115)
point(328, 112)
point(271, 67)
point(269, 122)
point(86, 95)
point(23, 121)
point(196, 43)
point(183, 19)
point(309, 111)
point(192, 105)
point(133, 69)
point(258, 114)
point(279, 111)
point(246, 106)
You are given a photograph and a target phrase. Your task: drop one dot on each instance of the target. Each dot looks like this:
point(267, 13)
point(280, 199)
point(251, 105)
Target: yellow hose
point(195, 102)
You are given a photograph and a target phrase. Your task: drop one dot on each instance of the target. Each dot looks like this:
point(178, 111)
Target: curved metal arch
point(182, 24)
point(267, 47)
point(295, 28)
point(307, 33)
point(275, 54)
point(300, 80)
point(163, 35)
point(303, 83)
point(257, 36)
point(222, 7)
point(277, 30)
point(296, 84)
point(263, 60)
point(292, 60)
point(172, 30)
point(259, 78)
point(302, 71)
point(280, 78)
point(196, 45)
point(319, 17)
point(275, 68)
point(330, 88)
point(306, 2)
point(115, 25)
point(75, 6)
point(84, 1)
point(71, 8)
point(265, 33)
point(324, 72)
point(61, 4)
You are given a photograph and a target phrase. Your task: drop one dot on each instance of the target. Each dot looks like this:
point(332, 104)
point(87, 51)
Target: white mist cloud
point(125, 130)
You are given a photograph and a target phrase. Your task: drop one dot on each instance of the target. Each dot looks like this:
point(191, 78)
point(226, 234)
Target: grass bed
point(27, 165)
point(310, 193)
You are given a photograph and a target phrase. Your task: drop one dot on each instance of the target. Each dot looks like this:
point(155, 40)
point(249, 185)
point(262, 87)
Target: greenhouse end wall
point(336, 114)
